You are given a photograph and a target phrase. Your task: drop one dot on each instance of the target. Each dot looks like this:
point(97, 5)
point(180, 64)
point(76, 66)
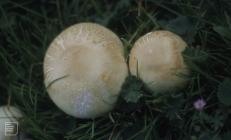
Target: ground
point(27, 27)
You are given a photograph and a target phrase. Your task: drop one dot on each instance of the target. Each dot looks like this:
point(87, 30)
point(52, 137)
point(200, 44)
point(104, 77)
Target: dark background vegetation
point(28, 26)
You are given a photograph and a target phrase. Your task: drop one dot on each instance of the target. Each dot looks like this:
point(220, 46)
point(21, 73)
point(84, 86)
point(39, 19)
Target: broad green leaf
point(180, 25)
point(195, 54)
point(132, 96)
point(132, 90)
point(183, 26)
point(224, 92)
point(205, 136)
point(223, 31)
point(227, 136)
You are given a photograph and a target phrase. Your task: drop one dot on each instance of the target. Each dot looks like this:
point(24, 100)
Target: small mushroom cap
point(157, 59)
point(8, 114)
point(84, 69)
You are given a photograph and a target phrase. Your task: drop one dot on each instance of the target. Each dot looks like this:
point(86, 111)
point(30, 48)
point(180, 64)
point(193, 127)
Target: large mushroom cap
point(84, 70)
point(157, 59)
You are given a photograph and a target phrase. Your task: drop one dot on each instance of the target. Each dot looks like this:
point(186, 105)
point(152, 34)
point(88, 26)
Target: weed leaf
point(224, 92)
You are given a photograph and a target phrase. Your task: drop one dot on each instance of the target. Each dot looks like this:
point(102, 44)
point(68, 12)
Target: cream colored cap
point(157, 59)
point(84, 69)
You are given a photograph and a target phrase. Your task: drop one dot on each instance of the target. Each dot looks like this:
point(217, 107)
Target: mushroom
point(156, 58)
point(84, 69)
point(9, 122)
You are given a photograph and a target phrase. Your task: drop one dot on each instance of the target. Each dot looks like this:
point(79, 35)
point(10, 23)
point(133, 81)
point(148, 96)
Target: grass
point(27, 27)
